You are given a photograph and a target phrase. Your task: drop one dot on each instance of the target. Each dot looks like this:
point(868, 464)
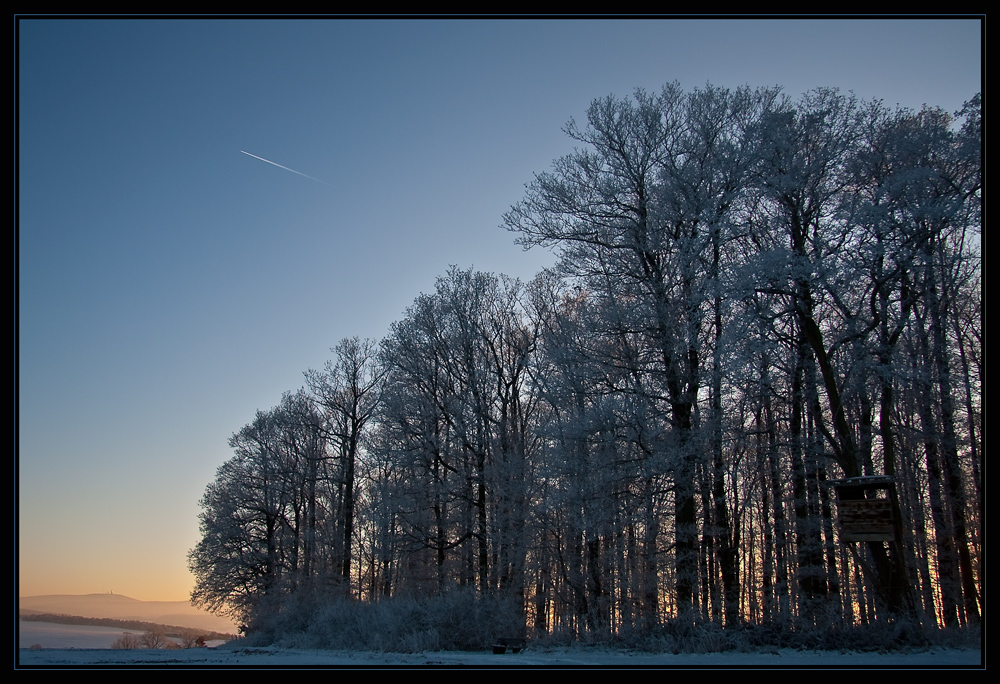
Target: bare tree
point(640, 215)
point(348, 390)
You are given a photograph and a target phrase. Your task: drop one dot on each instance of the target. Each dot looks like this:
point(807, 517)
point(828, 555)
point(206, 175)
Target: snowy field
point(541, 658)
point(50, 635)
point(68, 646)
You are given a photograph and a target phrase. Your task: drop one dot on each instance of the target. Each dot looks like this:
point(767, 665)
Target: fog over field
point(118, 607)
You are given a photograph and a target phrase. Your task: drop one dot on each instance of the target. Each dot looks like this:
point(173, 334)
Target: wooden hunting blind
point(864, 508)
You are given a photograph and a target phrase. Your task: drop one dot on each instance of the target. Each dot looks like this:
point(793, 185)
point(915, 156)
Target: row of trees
point(754, 295)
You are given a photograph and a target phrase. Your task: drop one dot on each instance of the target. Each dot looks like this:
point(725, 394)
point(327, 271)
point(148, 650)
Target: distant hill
point(116, 606)
point(180, 633)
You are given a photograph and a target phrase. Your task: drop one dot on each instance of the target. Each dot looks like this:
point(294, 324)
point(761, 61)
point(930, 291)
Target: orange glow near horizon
point(143, 574)
point(156, 589)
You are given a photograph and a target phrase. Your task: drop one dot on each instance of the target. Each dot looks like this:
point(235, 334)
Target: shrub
point(126, 641)
point(153, 638)
point(456, 620)
point(193, 641)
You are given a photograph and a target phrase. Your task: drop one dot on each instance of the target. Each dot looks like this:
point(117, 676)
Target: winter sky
point(173, 278)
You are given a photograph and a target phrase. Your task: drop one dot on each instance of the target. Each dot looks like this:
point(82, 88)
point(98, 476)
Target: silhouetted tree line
point(755, 295)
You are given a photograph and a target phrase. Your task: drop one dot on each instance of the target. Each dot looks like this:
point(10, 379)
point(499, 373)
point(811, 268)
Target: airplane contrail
point(285, 168)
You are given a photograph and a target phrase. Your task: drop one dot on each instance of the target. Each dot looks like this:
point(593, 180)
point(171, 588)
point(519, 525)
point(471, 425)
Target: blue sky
point(169, 286)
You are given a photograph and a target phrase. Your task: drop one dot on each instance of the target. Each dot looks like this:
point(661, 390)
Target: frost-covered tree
point(238, 559)
point(854, 195)
point(455, 414)
point(755, 294)
point(348, 391)
point(640, 216)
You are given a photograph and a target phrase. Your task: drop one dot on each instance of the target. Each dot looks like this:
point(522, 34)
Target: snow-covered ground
point(81, 646)
point(563, 657)
point(558, 657)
